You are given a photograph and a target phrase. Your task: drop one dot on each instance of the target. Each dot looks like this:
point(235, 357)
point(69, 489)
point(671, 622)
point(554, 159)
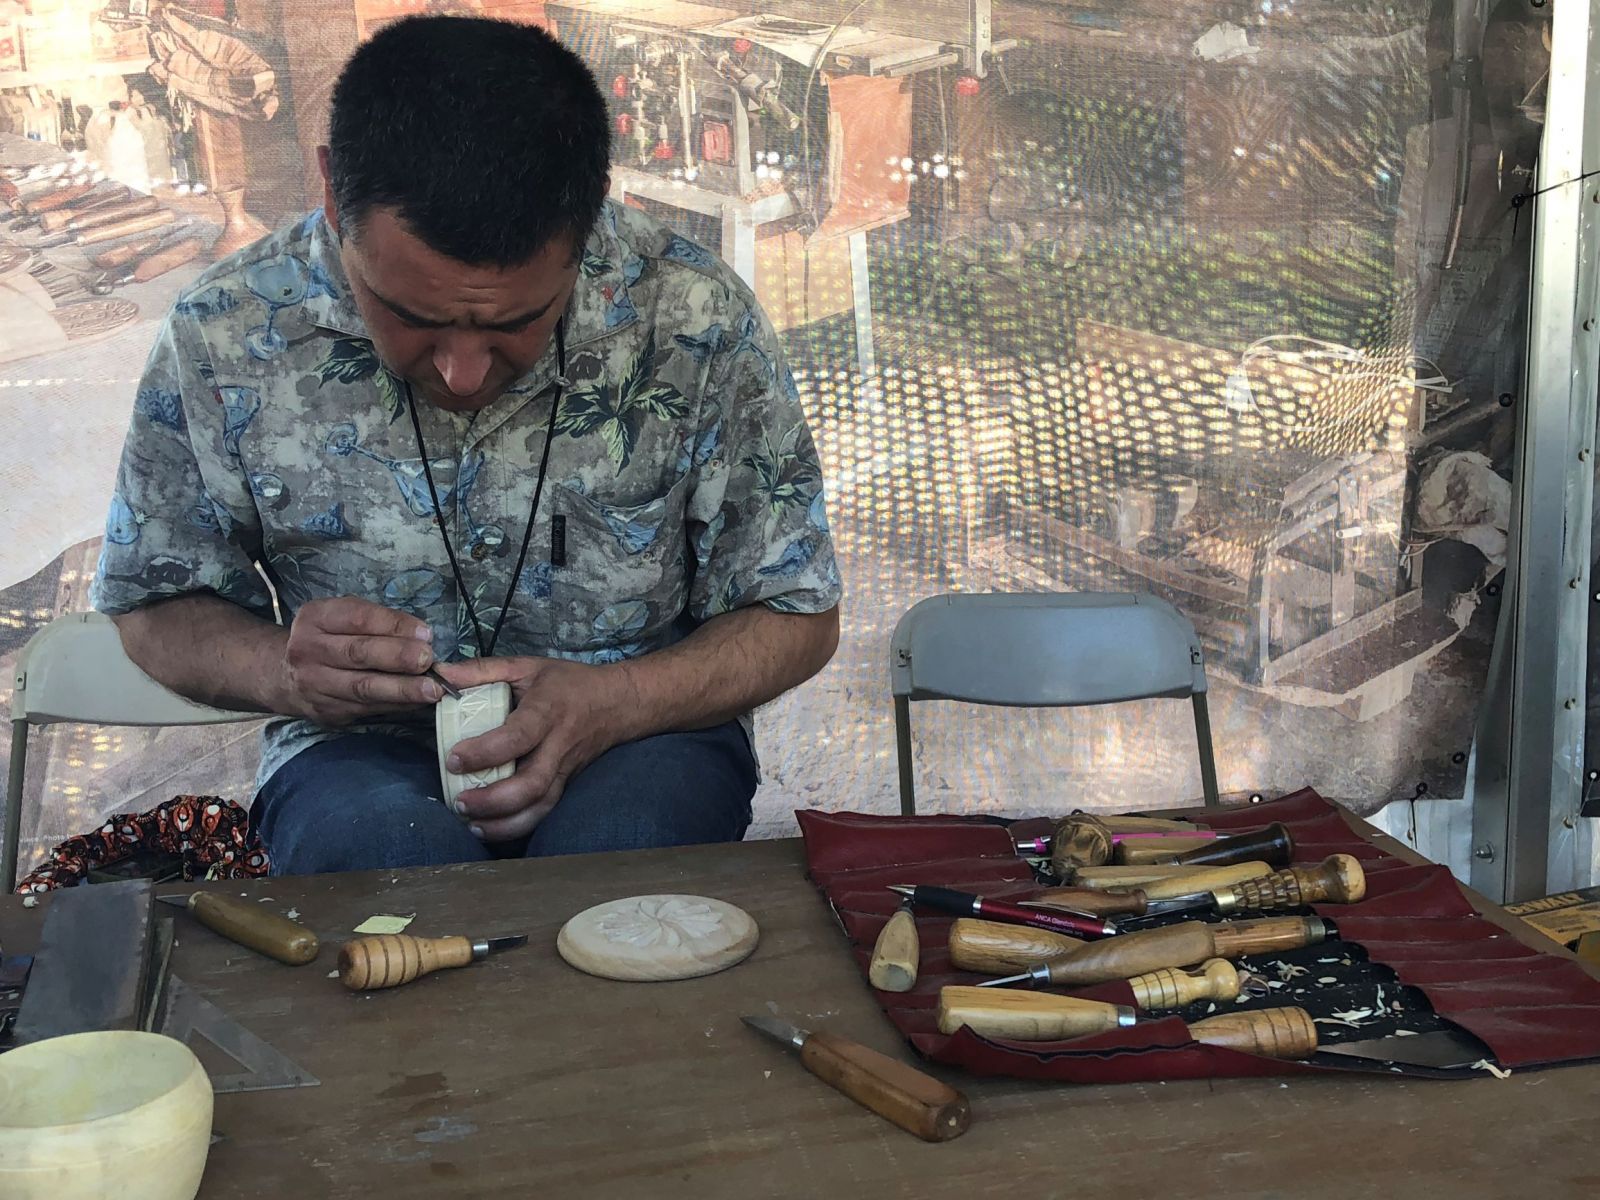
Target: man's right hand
point(349, 659)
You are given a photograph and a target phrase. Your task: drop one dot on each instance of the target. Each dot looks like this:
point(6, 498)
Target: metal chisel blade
point(1441, 1048)
point(510, 942)
point(779, 1031)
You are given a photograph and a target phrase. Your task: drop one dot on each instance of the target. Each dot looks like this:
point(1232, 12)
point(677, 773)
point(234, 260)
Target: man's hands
point(566, 715)
point(348, 659)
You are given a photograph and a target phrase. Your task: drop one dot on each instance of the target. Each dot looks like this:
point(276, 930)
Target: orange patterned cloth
point(212, 835)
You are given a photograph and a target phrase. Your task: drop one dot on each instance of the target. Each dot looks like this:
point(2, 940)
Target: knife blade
point(1443, 1048)
point(917, 1102)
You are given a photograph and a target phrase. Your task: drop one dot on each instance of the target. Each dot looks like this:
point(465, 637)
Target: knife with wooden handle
point(251, 925)
point(915, 1101)
point(991, 946)
point(1269, 1032)
point(387, 960)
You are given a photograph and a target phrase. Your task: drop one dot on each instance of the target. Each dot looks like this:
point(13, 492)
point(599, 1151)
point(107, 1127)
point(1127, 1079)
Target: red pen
point(1041, 845)
point(965, 904)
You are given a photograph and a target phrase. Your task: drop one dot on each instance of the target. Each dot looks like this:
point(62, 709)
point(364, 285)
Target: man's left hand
point(565, 716)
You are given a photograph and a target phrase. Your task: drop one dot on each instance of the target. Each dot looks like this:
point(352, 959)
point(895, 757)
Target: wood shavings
point(385, 923)
point(333, 974)
point(1406, 1033)
point(30, 902)
point(1288, 971)
point(292, 914)
point(1355, 1018)
point(1499, 1072)
point(1327, 979)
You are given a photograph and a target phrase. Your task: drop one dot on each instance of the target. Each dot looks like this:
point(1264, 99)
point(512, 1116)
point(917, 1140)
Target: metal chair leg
point(1208, 762)
point(902, 743)
point(13, 827)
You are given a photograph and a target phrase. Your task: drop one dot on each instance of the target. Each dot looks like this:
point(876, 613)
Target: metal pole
point(1527, 835)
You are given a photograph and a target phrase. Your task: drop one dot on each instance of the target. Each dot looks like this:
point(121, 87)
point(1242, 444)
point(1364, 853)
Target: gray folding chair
point(1045, 650)
point(74, 670)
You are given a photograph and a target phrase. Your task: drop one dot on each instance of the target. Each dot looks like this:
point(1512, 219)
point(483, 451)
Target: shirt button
point(480, 552)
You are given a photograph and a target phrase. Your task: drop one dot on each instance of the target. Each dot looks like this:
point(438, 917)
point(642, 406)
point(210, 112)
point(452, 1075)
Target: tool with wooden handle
point(916, 1102)
point(250, 925)
point(85, 215)
point(94, 203)
point(991, 947)
point(1136, 850)
point(1120, 957)
point(1273, 845)
point(110, 233)
point(1269, 1032)
point(1337, 879)
point(1204, 879)
point(1103, 878)
point(166, 259)
point(1026, 1016)
point(116, 256)
point(1234, 939)
point(59, 198)
point(1088, 900)
point(1169, 987)
point(896, 953)
point(387, 960)
point(1079, 841)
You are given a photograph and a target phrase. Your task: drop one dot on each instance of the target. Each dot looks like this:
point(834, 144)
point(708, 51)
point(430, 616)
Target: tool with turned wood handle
point(1167, 881)
point(1034, 1017)
point(916, 1102)
point(1026, 1016)
point(250, 925)
point(1337, 879)
point(1269, 1032)
point(387, 960)
point(992, 947)
point(1273, 845)
point(896, 953)
point(1169, 987)
point(1180, 945)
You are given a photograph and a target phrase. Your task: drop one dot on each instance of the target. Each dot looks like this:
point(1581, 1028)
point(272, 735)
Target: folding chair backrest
point(1046, 650)
point(75, 670)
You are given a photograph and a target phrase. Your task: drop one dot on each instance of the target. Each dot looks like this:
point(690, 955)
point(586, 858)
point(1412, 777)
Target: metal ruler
point(188, 1013)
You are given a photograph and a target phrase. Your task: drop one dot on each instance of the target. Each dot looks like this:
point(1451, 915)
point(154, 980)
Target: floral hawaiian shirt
point(269, 445)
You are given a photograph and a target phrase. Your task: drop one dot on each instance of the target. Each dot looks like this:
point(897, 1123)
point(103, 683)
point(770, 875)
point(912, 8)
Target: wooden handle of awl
point(1026, 1016)
point(896, 954)
point(1269, 1032)
point(1337, 879)
point(1235, 938)
point(1274, 845)
point(388, 960)
point(1132, 954)
point(256, 927)
point(996, 948)
point(1101, 878)
point(916, 1102)
point(1217, 979)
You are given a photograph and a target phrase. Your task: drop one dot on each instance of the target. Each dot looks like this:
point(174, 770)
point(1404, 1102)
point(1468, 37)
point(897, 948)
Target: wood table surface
point(521, 1077)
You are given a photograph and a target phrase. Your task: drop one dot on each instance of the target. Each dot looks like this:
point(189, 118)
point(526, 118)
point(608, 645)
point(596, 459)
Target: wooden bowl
point(95, 1115)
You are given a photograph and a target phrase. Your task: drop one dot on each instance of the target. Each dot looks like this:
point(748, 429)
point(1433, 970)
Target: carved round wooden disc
point(658, 937)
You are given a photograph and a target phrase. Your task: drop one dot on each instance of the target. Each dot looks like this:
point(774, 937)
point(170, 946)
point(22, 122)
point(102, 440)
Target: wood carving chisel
point(1337, 879)
point(965, 904)
point(915, 1101)
point(251, 925)
point(388, 960)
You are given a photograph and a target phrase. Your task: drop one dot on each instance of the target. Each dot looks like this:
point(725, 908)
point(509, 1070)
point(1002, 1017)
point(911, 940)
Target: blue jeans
point(370, 801)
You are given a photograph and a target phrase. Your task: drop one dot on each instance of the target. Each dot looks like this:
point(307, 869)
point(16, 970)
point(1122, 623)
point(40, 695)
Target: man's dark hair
point(488, 138)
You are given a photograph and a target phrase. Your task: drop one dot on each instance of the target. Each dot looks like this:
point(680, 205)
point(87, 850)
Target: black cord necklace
point(485, 650)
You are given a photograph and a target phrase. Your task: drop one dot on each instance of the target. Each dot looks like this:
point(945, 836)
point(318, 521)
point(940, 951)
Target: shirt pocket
point(624, 578)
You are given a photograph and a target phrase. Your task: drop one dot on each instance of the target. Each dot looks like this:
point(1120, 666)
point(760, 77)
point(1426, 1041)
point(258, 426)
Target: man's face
point(460, 334)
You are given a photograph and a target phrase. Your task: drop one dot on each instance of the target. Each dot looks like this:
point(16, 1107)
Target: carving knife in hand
point(916, 1102)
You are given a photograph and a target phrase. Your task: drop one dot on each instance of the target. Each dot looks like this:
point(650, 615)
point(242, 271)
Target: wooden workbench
point(520, 1076)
